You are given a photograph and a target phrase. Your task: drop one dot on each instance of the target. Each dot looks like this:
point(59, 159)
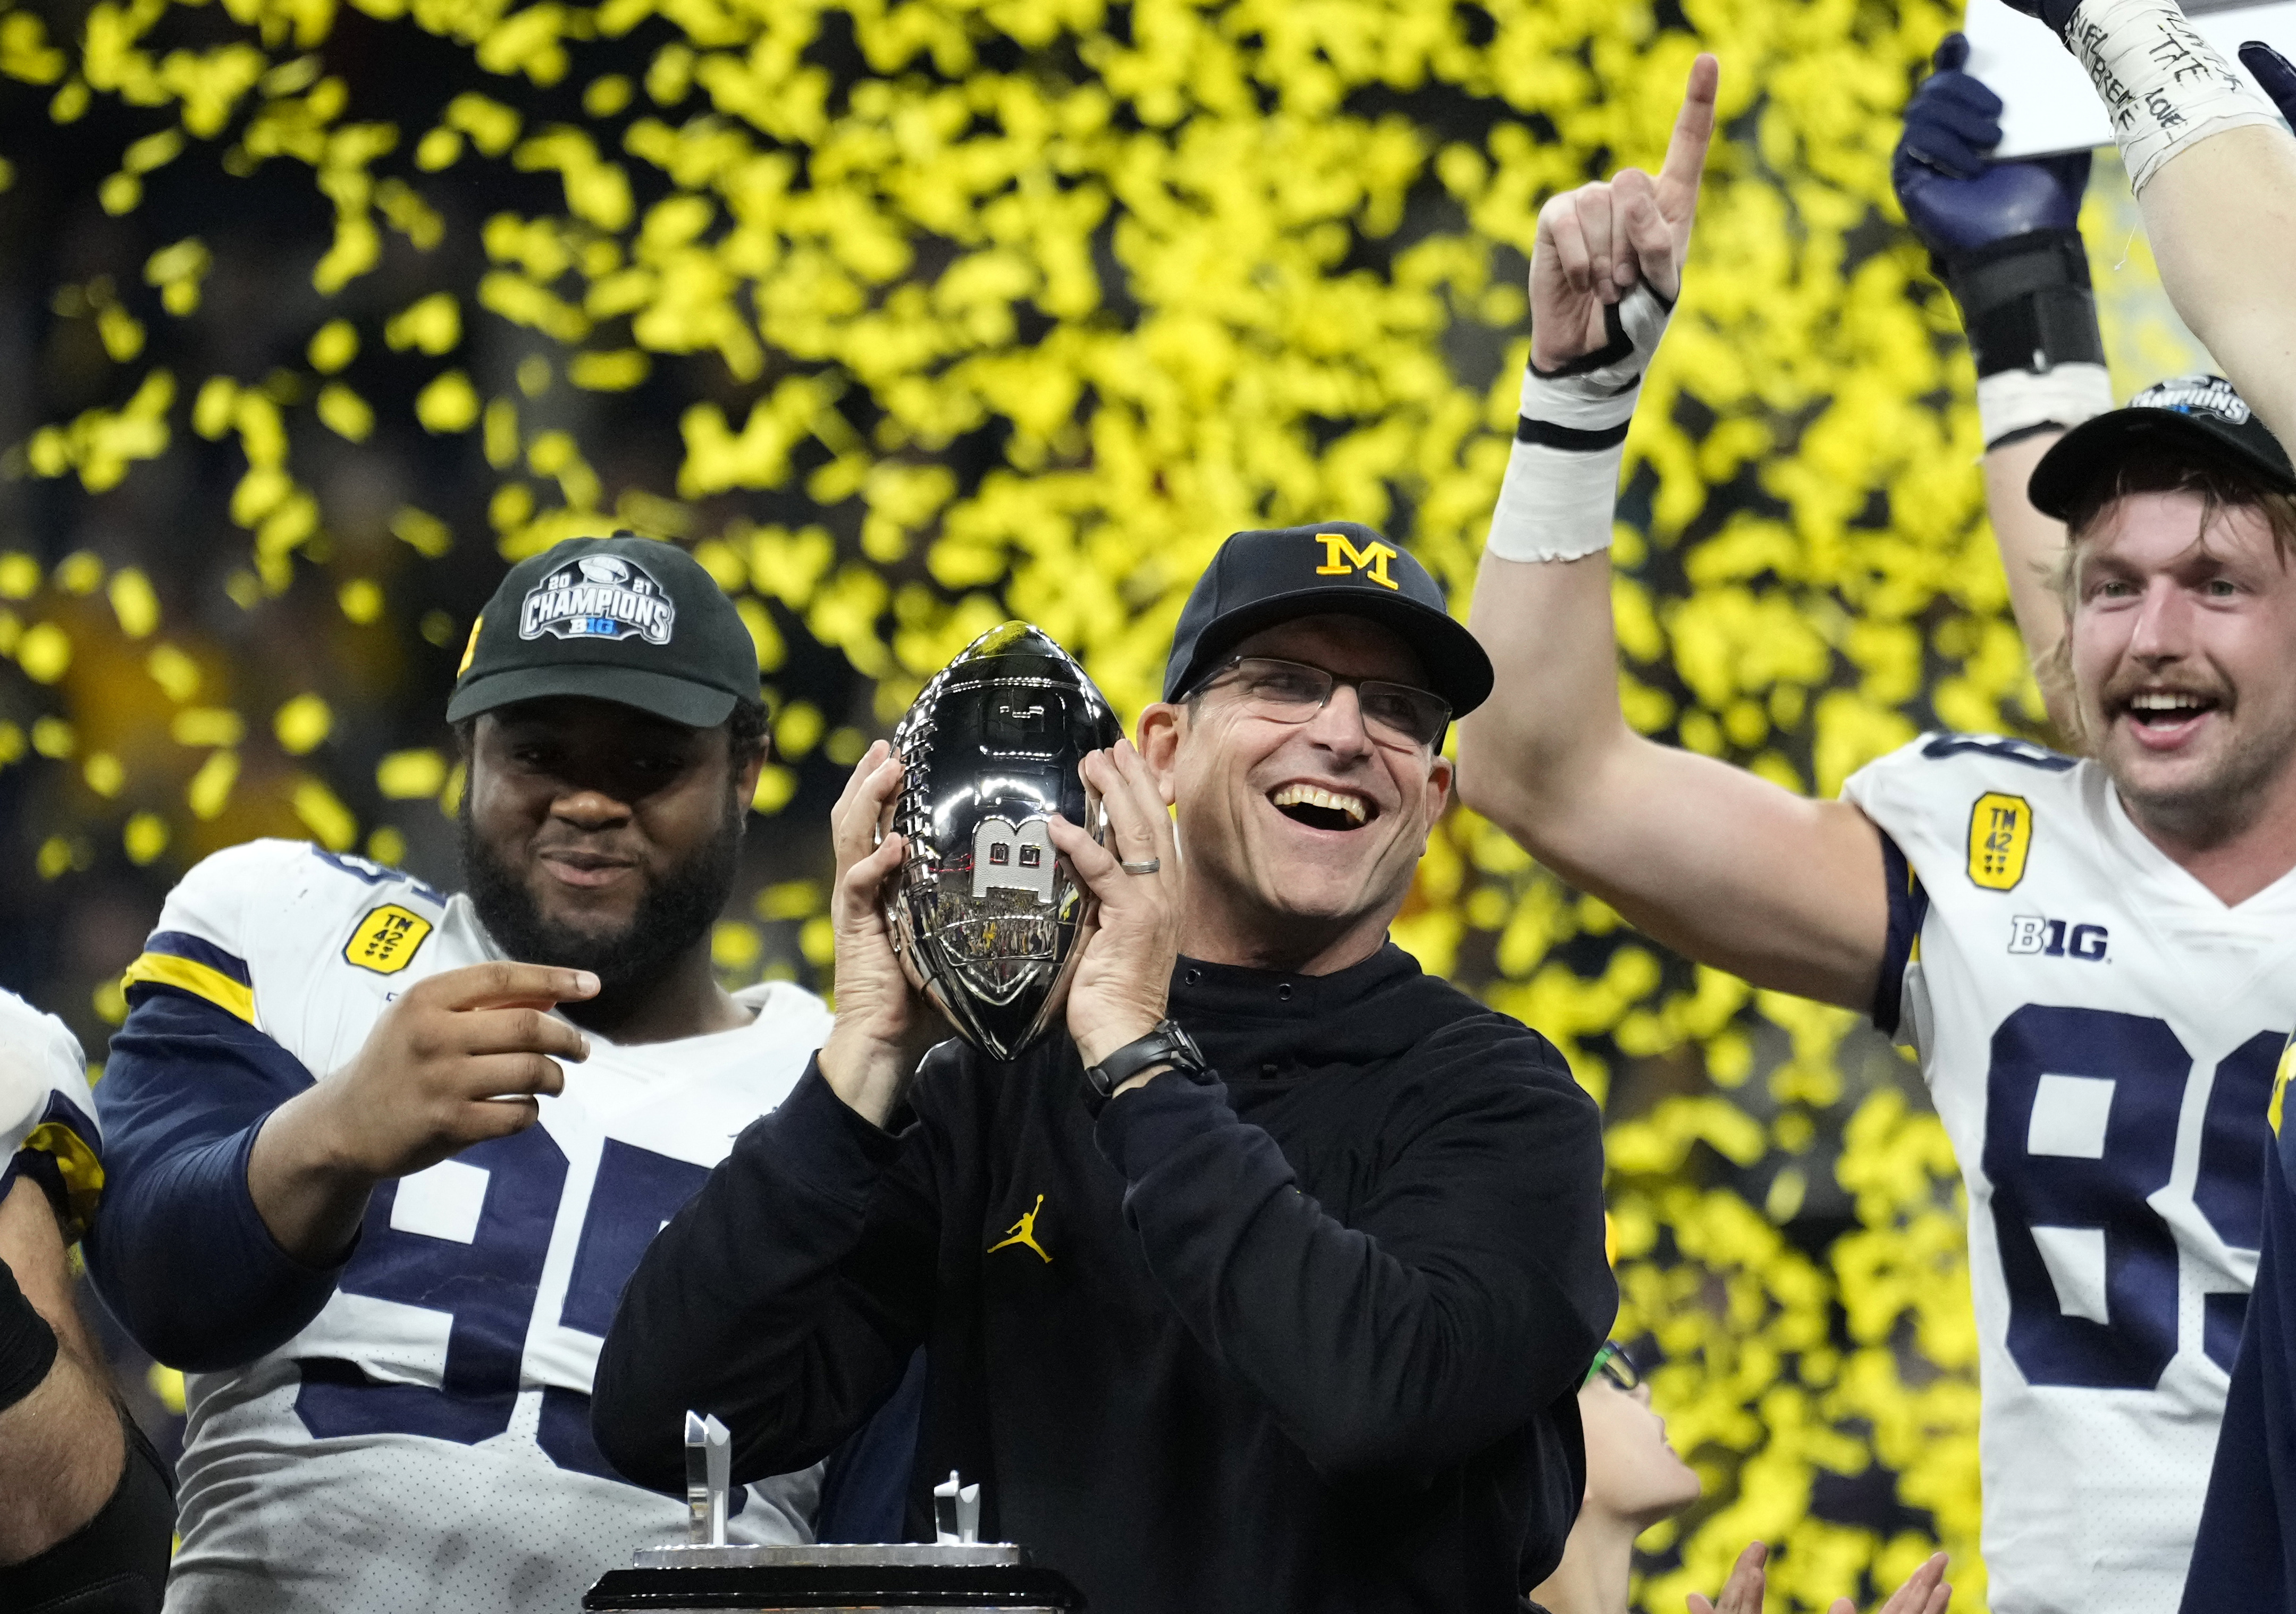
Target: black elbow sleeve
point(116, 1563)
point(27, 1345)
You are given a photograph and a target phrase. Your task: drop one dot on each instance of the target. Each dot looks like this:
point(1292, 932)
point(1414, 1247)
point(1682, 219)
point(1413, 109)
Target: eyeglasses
point(1396, 715)
point(1612, 1363)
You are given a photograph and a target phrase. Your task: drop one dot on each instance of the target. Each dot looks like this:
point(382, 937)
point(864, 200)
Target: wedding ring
point(1146, 866)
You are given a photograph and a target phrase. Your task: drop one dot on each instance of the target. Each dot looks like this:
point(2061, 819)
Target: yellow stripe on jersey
point(201, 980)
point(76, 1163)
point(2280, 1085)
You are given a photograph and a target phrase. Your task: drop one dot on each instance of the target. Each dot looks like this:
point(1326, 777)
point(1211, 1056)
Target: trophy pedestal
point(889, 1578)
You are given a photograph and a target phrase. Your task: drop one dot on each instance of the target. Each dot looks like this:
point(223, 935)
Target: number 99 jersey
point(2099, 1035)
point(410, 1431)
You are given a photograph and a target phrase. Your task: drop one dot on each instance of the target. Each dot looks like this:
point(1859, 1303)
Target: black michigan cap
point(1274, 575)
point(2196, 412)
point(625, 619)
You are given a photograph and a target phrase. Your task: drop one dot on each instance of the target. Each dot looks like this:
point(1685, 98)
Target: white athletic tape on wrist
point(1556, 503)
point(1562, 483)
point(2012, 401)
point(2163, 86)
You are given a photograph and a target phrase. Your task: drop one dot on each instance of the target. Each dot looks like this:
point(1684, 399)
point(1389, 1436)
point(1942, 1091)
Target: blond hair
point(2159, 464)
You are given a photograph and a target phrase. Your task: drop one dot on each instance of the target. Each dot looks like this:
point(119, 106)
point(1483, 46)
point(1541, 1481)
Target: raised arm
point(1714, 862)
point(2222, 220)
point(2005, 237)
point(2215, 173)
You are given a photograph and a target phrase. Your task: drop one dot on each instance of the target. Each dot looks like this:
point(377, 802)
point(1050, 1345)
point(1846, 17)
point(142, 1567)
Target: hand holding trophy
point(965, 897)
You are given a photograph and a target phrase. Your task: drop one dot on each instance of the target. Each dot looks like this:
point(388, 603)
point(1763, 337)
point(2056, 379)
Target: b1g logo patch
point(2000, 835)
point(386, 940)
point(598, 597)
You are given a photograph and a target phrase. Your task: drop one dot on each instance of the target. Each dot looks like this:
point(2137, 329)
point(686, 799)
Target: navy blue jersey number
point(488, 1288)
point(2082, 1178)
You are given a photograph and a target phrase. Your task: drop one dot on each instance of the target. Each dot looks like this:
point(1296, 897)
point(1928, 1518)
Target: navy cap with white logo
point(625, 619)
point(2193, 412)
point(1274, 575)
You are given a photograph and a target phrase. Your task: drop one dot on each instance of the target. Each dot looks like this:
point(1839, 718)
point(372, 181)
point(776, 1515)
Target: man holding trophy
point(1265, 1279)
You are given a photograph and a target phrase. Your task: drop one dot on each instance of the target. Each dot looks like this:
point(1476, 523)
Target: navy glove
point(2056, 14)
point(1957, 201)
point(2274, 73)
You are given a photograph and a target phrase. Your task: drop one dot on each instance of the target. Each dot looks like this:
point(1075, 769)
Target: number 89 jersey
point(422, 1442)
point(2099, 1035)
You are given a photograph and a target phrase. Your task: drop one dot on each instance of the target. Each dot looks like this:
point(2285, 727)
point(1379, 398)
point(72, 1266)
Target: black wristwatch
point(1166, 1044)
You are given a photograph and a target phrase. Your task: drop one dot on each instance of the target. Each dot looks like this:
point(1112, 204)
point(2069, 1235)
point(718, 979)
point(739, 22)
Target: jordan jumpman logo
point(1023, 1232)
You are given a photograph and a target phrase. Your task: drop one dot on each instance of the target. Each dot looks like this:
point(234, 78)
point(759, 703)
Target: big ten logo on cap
point(1341, 557)
point(386, 940)
point(2000, 835)
point(597, 597)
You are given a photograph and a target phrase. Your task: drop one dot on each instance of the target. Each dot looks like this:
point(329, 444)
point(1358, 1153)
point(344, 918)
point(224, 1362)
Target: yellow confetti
point(330, 822)
point(448, 403)
point(411, 775)
point(302, 724)
point(334, 345)
point(360, 600)
point(432, 324)
point(134, 603)
point(345, 412)
point(44, 652)
point(209, 790)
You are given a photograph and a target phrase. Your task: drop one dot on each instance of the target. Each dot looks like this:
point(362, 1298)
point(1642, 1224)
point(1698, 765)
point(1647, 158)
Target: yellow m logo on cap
point(1341, 557)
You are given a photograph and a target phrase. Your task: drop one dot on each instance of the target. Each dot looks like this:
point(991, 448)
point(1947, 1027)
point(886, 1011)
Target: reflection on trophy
point(987, 922)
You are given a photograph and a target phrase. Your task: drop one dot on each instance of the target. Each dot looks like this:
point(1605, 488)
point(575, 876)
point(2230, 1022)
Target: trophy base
point(887, 1578)
point(906, 1554)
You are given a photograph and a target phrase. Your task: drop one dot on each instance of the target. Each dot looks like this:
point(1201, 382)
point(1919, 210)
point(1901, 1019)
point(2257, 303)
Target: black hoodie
point(1306, 1335)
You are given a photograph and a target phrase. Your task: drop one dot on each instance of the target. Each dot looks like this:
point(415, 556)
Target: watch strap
point(1166, 1044)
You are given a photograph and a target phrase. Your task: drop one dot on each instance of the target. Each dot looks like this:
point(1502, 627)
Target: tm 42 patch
point(386, 940)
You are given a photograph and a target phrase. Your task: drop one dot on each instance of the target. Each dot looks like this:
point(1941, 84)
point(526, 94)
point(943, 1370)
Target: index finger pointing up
point(1693, 132)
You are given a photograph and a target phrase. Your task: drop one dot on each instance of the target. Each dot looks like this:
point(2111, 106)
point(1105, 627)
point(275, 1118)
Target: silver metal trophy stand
point(706, 1572)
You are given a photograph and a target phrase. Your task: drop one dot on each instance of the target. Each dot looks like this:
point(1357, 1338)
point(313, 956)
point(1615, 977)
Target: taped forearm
point(2162, 85)
point(1562, 483)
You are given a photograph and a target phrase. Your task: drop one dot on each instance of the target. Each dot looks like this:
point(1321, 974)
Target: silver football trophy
point(987, 922)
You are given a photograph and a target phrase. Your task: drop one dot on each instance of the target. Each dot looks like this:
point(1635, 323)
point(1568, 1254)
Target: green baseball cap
point(625, 619)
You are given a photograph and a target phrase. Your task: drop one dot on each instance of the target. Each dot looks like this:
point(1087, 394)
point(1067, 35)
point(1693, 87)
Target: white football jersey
point(339, 1472)
point(2099, 1034)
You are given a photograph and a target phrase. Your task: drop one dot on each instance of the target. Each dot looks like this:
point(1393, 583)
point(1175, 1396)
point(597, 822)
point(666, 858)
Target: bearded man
point(381, 1159)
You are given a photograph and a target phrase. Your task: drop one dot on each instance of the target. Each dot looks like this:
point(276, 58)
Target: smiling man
point(2095, 959)
point(1294, 1319)
point(377, 1198)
